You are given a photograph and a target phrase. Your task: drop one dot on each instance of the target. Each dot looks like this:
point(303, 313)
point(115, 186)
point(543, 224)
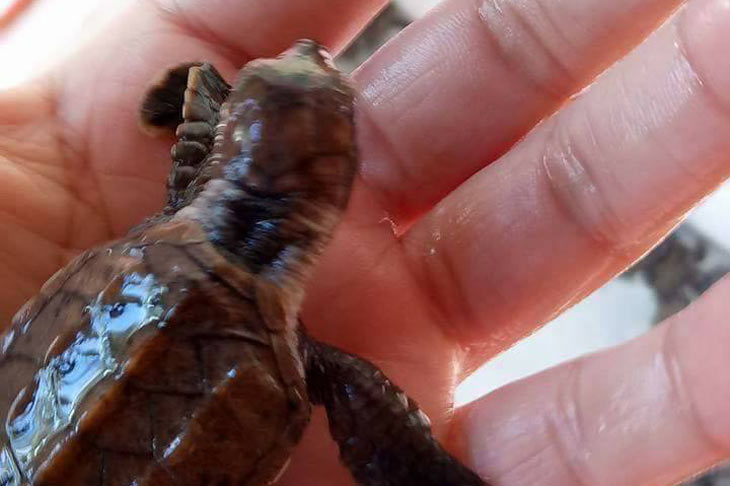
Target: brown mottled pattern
point(177, 413)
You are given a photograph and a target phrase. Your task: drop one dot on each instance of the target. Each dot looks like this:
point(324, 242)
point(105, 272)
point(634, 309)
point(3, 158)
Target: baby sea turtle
point(174, 356)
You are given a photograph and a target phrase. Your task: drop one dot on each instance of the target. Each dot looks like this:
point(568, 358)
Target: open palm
point(471, 223)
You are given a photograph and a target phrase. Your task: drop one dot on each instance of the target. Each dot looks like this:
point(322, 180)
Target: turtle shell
point(145, 362)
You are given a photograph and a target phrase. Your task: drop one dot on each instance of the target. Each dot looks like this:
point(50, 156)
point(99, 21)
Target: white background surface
point(416, 8)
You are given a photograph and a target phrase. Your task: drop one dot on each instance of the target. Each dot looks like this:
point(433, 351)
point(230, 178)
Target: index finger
point(461, 86)
point(267, 28)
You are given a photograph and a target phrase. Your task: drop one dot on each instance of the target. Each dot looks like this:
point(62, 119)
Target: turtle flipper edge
point(162, 105)
point(384, 438)
point(186, 100)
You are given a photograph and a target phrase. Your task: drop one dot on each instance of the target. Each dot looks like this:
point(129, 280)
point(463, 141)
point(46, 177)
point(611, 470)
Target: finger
point(99, 91)
point(267, 28)
point(650, 412)
point(589, 191)
point(460, 87)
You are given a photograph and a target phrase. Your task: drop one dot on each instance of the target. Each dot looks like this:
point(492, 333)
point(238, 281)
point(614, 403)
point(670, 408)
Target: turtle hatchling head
point(287, 127)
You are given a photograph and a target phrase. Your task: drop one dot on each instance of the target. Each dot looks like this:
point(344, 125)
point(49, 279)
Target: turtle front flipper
point(188, 101)
point(162, 105)
point(384, 438)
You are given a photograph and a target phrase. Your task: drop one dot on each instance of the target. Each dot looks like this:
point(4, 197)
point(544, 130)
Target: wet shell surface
point(147, 362)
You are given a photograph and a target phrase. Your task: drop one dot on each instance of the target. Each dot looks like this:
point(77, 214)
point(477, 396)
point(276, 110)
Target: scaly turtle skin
point(174, 356)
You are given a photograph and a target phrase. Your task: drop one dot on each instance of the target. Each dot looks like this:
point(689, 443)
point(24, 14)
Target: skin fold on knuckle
point(697, 348)
point(540, 441)
point(578, 179)
point(528, 41)
point(584, 422)
point(565, 428)
point(639, 148)
point(702, 30)
point(673, 362)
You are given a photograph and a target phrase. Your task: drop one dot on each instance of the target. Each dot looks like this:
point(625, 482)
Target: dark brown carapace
point(174, 356)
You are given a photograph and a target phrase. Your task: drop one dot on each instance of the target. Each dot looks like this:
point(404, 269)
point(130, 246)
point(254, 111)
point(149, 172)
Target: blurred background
point(692, 258)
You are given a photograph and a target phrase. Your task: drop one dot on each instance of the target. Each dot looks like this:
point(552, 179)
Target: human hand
point(470, 225)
